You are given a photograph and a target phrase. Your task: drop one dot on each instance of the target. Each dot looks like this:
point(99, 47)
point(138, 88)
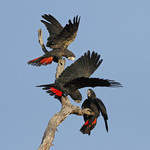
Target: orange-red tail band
point(41, 61)
point(46, 61)
point(55, 91)
point(87, 122)
point(31, 61)
point(94, 122)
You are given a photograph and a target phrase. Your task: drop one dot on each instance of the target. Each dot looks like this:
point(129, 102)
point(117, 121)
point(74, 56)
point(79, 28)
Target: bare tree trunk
point(67, 108)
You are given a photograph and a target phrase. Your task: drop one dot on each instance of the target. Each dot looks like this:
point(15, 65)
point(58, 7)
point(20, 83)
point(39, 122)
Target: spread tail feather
point(88, 126)
point(52, 90)
point(41, 61)
point(85, 129)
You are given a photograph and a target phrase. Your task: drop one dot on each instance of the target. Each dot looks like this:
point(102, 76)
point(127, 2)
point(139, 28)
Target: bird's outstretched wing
point(83, 67)
point(92, 82)
point(66, 36)
point(53, 26)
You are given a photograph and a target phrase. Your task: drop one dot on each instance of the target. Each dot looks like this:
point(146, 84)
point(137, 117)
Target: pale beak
point(71, 58)
point(88, 93)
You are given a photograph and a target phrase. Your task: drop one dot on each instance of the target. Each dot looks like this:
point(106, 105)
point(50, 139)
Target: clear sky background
point(119, 30)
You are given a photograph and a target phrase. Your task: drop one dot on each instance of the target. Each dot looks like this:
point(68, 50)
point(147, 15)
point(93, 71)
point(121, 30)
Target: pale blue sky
point(119, 30)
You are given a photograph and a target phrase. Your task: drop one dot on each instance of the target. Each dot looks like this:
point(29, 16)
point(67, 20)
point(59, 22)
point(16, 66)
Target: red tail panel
point(41, 61)
point(94, 122)
point(46, 61)
point(31, 61)
point(55, 91)
point(86, 123)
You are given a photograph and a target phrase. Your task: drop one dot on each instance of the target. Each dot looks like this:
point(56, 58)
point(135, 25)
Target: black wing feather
point(67, 35)
point(53, 26)
point(103, 111)
point(92, 82)
point(52, 21)
point(83, 67)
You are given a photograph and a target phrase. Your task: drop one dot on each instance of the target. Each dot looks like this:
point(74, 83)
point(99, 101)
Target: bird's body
point(58, 40)
point(76, 76)
point(96, 106)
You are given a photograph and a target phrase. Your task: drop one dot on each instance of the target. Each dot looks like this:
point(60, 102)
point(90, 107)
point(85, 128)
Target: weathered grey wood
point(41, 41)
point(58, 118)
point(60, 67)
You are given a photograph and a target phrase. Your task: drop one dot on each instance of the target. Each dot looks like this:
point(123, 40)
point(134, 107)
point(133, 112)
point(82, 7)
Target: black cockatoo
point(76, 76)
point(58, 40)
point(96, 106)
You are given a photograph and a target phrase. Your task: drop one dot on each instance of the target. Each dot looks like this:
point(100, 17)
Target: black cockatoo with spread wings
point(58, 40)
point(76, 76)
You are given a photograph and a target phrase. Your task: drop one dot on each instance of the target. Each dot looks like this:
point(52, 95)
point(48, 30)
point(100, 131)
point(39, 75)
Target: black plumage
point(77, 75)
point(58, 40)
point(97, 106)
point(60, 37)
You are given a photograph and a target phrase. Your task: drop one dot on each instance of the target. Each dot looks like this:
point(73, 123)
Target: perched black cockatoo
point(96, 106)
point(58, 40)
point(76, 76)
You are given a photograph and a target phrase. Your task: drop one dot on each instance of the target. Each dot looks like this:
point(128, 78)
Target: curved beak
point(71, 58)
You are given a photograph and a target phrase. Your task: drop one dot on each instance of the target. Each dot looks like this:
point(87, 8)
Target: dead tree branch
point(66, 110)
point(41, 41)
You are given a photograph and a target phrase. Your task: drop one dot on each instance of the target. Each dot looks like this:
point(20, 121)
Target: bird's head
point(91, 93)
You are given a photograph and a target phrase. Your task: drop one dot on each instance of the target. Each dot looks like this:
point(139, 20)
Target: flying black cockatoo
point(58, 40)
point(76, 76)
point(96, 106)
